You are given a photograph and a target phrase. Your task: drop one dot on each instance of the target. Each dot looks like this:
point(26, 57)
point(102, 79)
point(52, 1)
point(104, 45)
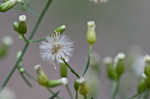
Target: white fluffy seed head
point(108, 60)
point(64, 81)
point(55, 48)
point(147, 59)
point(22, 18)
point(7, 40)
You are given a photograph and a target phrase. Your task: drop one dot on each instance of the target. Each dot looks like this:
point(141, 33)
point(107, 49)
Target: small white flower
point(22, 18)
point(99, 1)
point(64, 81)
point(56, 47)
point(7, 94)
point(7, 40)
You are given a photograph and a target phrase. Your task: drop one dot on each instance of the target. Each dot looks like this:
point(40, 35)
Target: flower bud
point(22, 27)
point(82, 86)
point(5, 6)
point(55, 83)
point(41, 76)
point(16, 26)
point(110, 68)
point(119, 64)
point(91, 34)
point(63, 70)
point(76, 85)
point(147, 59)
point(83, 89)
point(141, 86)
point(60, 29)
point(147, 65)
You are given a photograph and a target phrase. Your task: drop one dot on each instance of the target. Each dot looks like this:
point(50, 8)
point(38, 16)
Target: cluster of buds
point(144, 83)
point(8, 4)
point(115, 69)
point(81, 86)
point(20, 26)
point(42, 79)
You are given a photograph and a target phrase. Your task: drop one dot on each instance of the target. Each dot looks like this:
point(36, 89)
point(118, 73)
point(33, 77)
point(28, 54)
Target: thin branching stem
point(53, 93)
point(88, 61)
point(115, 89)
point(26, 45)
point(71, 69)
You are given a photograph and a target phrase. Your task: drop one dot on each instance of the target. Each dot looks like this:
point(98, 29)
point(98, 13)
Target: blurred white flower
point(7, 94)
point(138, 60)
point(7, 40)
point(99, 1)
point(138, 65)
point(56, 47)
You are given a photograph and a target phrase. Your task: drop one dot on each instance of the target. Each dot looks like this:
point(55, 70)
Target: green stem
point(25, 39)
point(23, 76)
point(88, 61)
point(72, 70)
point(85, 97)
point(29, 75)
point(134, 96)
point(54, 95)
point(27, 45)
point(51, 91)
point(69, 91)
point(146, 95)
point(76, 95)
point(115, 89)
point(37, 41)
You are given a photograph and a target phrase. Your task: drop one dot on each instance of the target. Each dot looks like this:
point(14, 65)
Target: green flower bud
point(119, 64)
point(147, 65)
point(83, 89)
point(91, 34)
point(22, 28)
point(141, 86)
point(42, 78)
point(63, 70)
point(5, 6)
point(55, 83)
point(3, 51)
point(16, 26)
point(110, 68)
point(60, 29)
point(76, 85)
point(82, 86)
point(21, 70)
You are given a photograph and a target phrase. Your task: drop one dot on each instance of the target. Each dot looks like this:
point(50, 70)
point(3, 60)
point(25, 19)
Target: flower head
point(56, 47)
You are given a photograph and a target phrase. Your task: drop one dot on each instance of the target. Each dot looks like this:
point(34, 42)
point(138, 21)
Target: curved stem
point(115, 89)
point(88, 61)
point(85, 97)
point(27, 45)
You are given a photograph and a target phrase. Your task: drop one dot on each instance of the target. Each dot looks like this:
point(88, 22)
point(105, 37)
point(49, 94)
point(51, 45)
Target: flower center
point(56, 48)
